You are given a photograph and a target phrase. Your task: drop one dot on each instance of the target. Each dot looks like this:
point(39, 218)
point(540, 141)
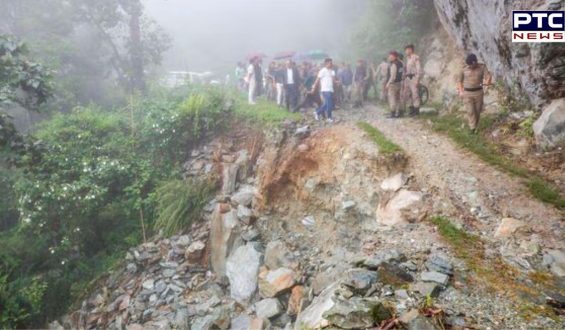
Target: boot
point(416, 111)
point(411, 111)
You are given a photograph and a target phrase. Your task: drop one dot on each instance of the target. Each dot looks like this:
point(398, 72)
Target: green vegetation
point(264, 113)
point(455, 128)
point(386, 146)
point(180, 202)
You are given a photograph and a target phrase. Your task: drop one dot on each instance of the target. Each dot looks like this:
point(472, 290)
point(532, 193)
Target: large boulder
point(242, 269)
point(399, 209)
point(313, 316)
point(223, 233)
point(274, 282)
point(549, 129)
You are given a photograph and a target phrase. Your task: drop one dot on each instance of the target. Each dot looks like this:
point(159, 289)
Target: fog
point(214, 34)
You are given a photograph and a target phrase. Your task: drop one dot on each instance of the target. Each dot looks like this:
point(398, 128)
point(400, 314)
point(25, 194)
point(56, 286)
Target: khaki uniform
point(382, 75)
point(473, 94)
point(412, 77)
point(394, 88)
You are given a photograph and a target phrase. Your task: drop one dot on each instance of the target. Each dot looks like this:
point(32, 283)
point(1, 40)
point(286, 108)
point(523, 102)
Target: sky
point(212, 35)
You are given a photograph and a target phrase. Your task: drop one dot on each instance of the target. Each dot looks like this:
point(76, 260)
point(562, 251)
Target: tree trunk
point(137, 75)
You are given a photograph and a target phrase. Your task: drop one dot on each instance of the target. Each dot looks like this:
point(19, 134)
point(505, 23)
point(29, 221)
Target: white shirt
point(289, 76)
point(326, 77)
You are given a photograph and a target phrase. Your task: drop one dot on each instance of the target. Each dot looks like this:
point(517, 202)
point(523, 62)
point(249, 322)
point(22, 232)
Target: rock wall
point(484, 27)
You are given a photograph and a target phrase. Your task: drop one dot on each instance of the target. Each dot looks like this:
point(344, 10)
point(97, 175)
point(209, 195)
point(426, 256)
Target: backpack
point(399, 71)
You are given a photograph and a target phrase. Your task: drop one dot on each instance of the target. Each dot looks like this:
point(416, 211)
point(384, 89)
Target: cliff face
point(485, 26)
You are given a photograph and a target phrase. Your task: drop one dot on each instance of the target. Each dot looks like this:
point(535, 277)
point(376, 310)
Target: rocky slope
point(312, 228)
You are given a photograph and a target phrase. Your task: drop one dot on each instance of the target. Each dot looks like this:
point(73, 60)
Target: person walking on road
point(394, 83)
point(327, 80)
point(412, 81)
point(473, 79)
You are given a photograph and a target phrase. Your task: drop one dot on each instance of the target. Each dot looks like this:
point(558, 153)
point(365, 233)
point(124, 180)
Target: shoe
point(411, 112)
point(416, 111)
point(316, 116)
point(330, 120)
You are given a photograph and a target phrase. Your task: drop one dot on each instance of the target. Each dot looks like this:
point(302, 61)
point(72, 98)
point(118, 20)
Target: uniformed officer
point(471, 83)
point(413, 74)
point(394, 84)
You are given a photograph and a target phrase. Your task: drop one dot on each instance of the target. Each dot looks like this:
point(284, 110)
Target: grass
point(454, 127)
point(264, 113)
point(494, 273)
point(386, 146)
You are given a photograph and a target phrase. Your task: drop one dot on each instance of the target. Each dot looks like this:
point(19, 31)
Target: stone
point(303, 147)
point(426, 289)
point(259, 324)
point(392, 274)
point(182, 319)
point(251, 234)
point(268, 308)
point(392, 213)
point(148, 284)
point(230, 178)
point(421, 323)
point(401, 294)
point(195, 252)
point(394, 183)
point(241, 322)
point(183, 240)
point(555, 299)
point(348, 205)
point(324, 279)
point(242, 269)
point(428, 110)
point(295, 301)
point(409, 316)
point(274, 282)
point(439, 263)
point(549, 129)
point(277, 255)
point(309, 221)
point(507, 227)
point(244, 214)
point(223, 234)
point(313, 316)
point(435, 277)
point(356, 313)
point(360, 280)
point(555, 260)
point(244, 196)
point(383, 256)
point(302, 131)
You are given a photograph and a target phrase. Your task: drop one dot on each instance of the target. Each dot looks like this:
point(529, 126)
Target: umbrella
point(284, 55)
point(300, 57)
point(317, 55)
point(256, 54)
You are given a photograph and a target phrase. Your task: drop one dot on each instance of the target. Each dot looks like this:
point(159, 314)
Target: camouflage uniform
point(413, 74)
point(472, 79)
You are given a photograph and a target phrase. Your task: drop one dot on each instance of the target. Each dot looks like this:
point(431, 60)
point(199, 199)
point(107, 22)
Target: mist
point(213, 35)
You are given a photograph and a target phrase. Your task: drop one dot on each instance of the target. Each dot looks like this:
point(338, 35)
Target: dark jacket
point(295, 76)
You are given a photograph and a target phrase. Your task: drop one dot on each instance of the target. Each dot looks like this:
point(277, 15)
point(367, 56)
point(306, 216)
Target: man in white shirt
point(326, 79)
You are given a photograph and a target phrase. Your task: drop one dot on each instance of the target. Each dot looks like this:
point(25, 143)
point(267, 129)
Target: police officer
point(471, 83)
point(394, 83)
point(412, 81)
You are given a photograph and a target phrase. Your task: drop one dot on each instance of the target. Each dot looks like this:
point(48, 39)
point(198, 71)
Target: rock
point(277, 255)
point(313, 316)
point(383, 256)
point(183, 240)
point(356, 313)
point(230, 178)
point(182, 319)
point(555, 260)
point(435, 277)
point(303, 148)
point(360, 280)
point(223, 234)
point(394, 183)
point(244, 196)
point(324, 279)
point(244, 214)
point(268, 308)
point(393, 274)
point(428, 110)
point(426, 289)
point(195, 252)
point(309, 221)
point(409, 316)
point(251, 234)
point(439, 263)
point(259, 324)
point(302, 131)
point(401, 294)
point(274, 282)
point(148, 284)
point(555, 299)
point(348, 205)
point(395, 211)
point(421, 323)
point(295, 302)
point(507, 227)
point(241, 322)
point(242, 269)
point(549, 129)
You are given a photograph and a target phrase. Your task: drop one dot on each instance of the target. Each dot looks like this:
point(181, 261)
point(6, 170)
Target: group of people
point(327, 86)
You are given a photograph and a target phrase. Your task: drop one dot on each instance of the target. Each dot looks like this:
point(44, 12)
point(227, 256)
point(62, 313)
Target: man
point(345, 76)
point(291, 85)
point(382, 76)
point(394, 83)
point(279, 83)
point(254, 79)
point(327, 80)
point(470, 85)
point(360, 79)
point(412, 81)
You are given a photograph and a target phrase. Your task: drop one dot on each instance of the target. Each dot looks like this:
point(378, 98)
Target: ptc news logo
point(538, 26)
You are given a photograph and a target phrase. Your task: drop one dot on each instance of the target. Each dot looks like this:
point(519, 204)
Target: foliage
point(390, 25)
point(264, 113)
point(180, 202)
point(386, 146)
